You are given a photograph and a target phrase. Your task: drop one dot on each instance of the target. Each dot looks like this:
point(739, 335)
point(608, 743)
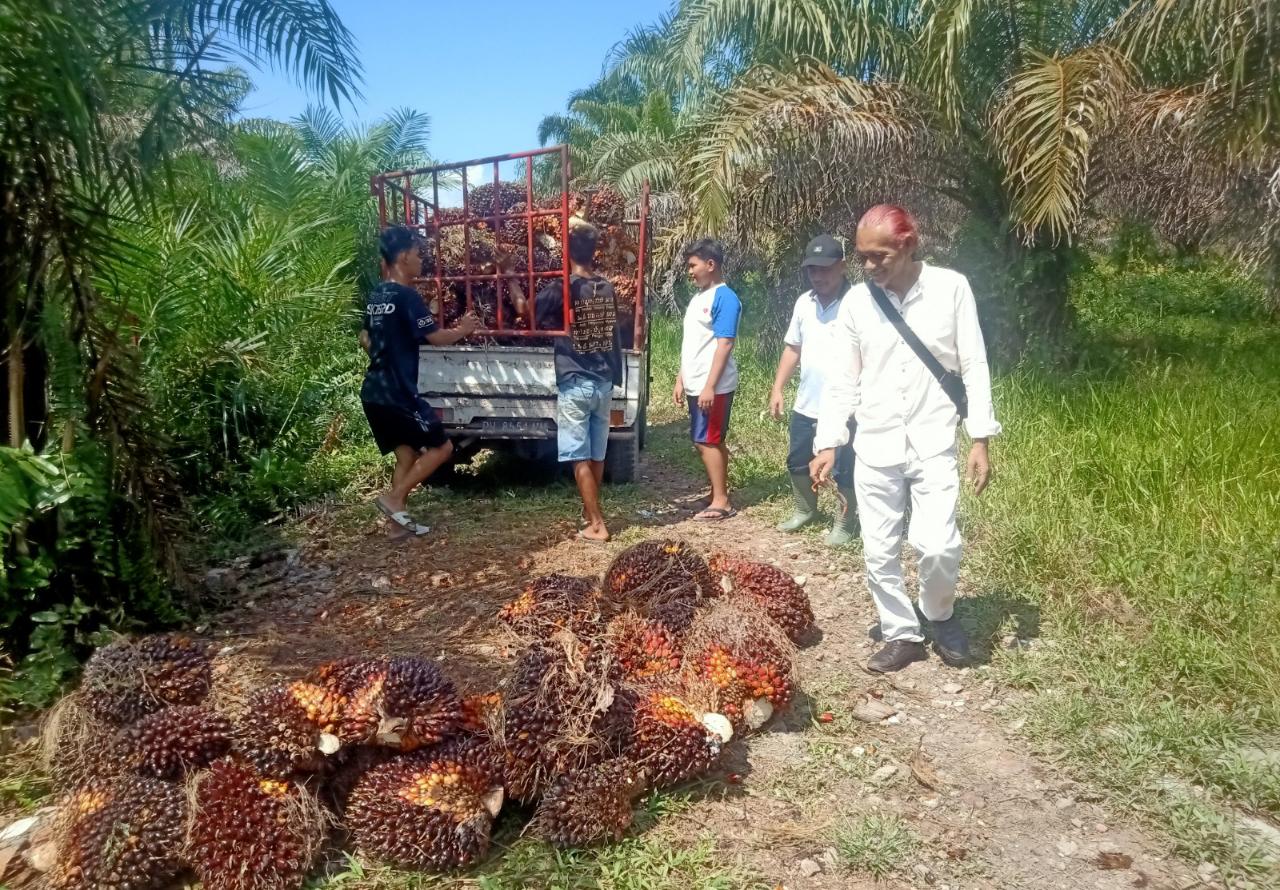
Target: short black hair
point(395, 241)
point(582, 244)
point(707, 250)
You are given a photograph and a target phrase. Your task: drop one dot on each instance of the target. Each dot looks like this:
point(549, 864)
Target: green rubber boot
point(845, 528)
point(806, 504)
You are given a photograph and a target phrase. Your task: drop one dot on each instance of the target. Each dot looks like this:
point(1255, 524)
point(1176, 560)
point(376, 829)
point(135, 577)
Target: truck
point(507, 239)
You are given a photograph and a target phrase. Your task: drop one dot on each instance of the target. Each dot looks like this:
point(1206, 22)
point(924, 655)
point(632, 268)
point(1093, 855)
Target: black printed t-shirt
point(398, 322)
point(592, 348)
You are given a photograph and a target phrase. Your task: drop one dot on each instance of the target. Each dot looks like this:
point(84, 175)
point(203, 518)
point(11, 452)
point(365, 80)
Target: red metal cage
point(400, 204)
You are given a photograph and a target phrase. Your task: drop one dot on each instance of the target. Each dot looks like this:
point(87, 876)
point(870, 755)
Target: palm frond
point(401, 138)
point(628, 160)
point(1044, 123)
point(772, 114)
point(318, 127)
point(1230, 47)
point(305, 36)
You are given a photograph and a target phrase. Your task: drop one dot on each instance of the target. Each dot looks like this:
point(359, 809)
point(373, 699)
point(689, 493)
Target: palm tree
point(991, 112)
point(98, 97)
point(99, 102)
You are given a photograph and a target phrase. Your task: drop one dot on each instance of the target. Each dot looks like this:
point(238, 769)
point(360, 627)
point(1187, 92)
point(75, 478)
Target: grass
point(877, 845)
point(1135, 523)
point(648, 860)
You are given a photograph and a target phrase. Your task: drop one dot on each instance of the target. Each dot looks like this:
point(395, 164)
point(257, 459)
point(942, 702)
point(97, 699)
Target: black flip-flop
point(721, 514)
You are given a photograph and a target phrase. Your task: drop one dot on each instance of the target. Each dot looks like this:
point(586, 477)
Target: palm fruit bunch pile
point(620, 685)
point(664, 581)
point(432, 809)
point(770, 589)
point(471, 242)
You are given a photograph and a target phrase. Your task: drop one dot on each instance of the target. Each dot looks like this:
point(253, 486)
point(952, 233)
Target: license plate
point(511, 426)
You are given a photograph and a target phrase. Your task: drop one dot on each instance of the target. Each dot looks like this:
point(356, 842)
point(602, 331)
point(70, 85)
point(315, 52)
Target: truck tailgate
point(509, 391)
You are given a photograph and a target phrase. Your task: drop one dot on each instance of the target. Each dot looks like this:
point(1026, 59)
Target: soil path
point(982, 811)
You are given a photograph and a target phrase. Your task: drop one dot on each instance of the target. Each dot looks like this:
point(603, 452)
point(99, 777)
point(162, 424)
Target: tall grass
point(1136, 513)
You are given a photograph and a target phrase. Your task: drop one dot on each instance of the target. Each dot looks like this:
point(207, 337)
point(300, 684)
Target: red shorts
point(710, 427)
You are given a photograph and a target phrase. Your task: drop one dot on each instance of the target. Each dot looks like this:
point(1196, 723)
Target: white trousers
point(933, 485)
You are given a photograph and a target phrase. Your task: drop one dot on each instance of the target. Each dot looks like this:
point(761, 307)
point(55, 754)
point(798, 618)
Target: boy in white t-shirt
point(808, 345)
point(708, 375)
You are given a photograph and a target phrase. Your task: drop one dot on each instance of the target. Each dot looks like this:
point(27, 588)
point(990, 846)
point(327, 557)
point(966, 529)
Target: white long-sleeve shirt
point(879, 381)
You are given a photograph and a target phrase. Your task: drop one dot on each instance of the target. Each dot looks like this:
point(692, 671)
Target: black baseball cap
point(822, 251)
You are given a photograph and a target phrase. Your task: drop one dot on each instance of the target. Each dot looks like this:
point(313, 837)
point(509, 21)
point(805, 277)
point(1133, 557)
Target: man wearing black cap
point(807, 346)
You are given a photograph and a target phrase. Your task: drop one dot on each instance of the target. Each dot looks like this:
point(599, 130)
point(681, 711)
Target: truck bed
point(509, 392)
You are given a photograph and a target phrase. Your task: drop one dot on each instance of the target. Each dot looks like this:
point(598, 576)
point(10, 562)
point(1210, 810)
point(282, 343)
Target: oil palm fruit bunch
point(171, 743)
point(252, 832)
point(590, 805)
point(662, 580)
point(606, 206)
point(432, 809)
point(733, 693)
point(771, 589)
point(525, 755)
point(645, 649)
point(624, 287)
point(358, 685)
point(289, 728)
point(121, 834)
point(486, 200)
point(403, 702)
point(553, 603)
point(672, 742)
point(752, 679)
point(126, 681)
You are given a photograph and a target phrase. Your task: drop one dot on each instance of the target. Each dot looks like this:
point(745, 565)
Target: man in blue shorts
point(588, 366)
point(396, 323)
point(708, 373)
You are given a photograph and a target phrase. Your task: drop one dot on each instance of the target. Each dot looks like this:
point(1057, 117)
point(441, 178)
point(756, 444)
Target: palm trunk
point(12, 355)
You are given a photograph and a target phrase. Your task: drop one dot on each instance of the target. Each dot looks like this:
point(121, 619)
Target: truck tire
point(622, 460)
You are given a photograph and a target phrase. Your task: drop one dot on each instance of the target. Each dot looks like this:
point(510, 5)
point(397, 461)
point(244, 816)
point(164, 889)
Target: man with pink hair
point(917, 365)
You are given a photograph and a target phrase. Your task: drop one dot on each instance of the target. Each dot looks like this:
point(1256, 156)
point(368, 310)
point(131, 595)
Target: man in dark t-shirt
point(588, 366)
point(396, 323)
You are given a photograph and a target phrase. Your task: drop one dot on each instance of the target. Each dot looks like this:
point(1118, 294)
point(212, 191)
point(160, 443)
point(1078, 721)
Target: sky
point(486, 72)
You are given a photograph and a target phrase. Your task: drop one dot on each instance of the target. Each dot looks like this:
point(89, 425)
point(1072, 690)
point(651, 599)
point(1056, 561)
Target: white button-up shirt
point(811, 329)
point(898, 404)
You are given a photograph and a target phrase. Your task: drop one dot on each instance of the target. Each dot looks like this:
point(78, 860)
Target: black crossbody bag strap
point(952, 384)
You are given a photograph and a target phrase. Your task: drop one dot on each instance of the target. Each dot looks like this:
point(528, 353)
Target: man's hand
point(677, 394)
point(777, 404)
point(707, 399)
point(468, 324)
point(365, 342)
point(979, 466)
point(823, 463)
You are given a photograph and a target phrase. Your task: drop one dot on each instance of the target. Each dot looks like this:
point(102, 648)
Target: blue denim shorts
point(582, 419)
